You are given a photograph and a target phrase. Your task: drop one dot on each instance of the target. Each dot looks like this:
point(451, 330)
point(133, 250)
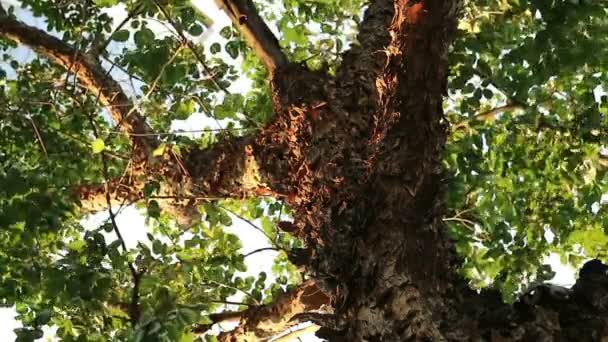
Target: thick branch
point(220, 317)
point(258, 323)
point(547, 313)
point(89, 72)
point(233, 168)
point(367, 57)
point(296, 334)
point(255, 31)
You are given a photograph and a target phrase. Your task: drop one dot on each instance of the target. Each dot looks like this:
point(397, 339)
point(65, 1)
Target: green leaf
point(121, 36)
point(43, 317)
point(226, 32)
point(98, 145)
point(153, 209)
point(108, 227)
point(295, 35)
point(185, 109)
point(195, 30)
point(151, 188)
point(77, 245)
point(232, 48)
point(215, 48)
point(144, 37)
point(105, 3)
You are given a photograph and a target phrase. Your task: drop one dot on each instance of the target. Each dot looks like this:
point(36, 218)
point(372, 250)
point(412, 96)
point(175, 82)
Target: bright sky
point(251, 238)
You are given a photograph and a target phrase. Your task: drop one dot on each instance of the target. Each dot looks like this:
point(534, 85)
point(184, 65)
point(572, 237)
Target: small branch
point(216, 318)
point(296, 334)
point(227, 302)
point(149, 92)
point(38, 136)
point(459, 219)
point(261, 250)
point(258, 36)
point(263, 322)
point(205, 130)
point(249, 223)
point(257, 302)
point(134, 309)
point(491, 114)
point(98, 50)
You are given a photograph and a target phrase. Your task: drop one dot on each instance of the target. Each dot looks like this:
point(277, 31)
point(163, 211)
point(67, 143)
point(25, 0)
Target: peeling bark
point(269, 320)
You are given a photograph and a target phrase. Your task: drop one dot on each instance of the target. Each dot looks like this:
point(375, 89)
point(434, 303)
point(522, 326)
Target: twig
point(121, 68)
point(84, 142)
point(38, 137)
point(234, 288)
point(149, 92)
point(296, 334)
point(167, 197)
point(250, 223)
point(182, 132)
point(135, 11)
point(229, 302)
point(490, 115)
point(261, 250)
point(460, 220)
point(216, 318)
point(134, 310)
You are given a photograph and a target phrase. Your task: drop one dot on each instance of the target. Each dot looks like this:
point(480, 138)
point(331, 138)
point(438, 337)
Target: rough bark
point(246, 19)
point(263, 322)
point(230, 169)
point(364, 152)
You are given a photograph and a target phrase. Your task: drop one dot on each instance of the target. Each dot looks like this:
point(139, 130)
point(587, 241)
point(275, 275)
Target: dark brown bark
point(364, 153)
point(246, 19)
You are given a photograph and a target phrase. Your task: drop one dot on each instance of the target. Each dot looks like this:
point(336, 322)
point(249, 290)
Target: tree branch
point(232, 168)
point(221, 317)
point(188, 42)
point(367, 56)
point(258, 36)
point(548, 312)
point(296, 334)
point(89, 72)
point(269, 320)
point(261, 250)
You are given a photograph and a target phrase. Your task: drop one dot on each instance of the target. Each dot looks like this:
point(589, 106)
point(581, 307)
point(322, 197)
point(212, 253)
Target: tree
point(349, 137)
